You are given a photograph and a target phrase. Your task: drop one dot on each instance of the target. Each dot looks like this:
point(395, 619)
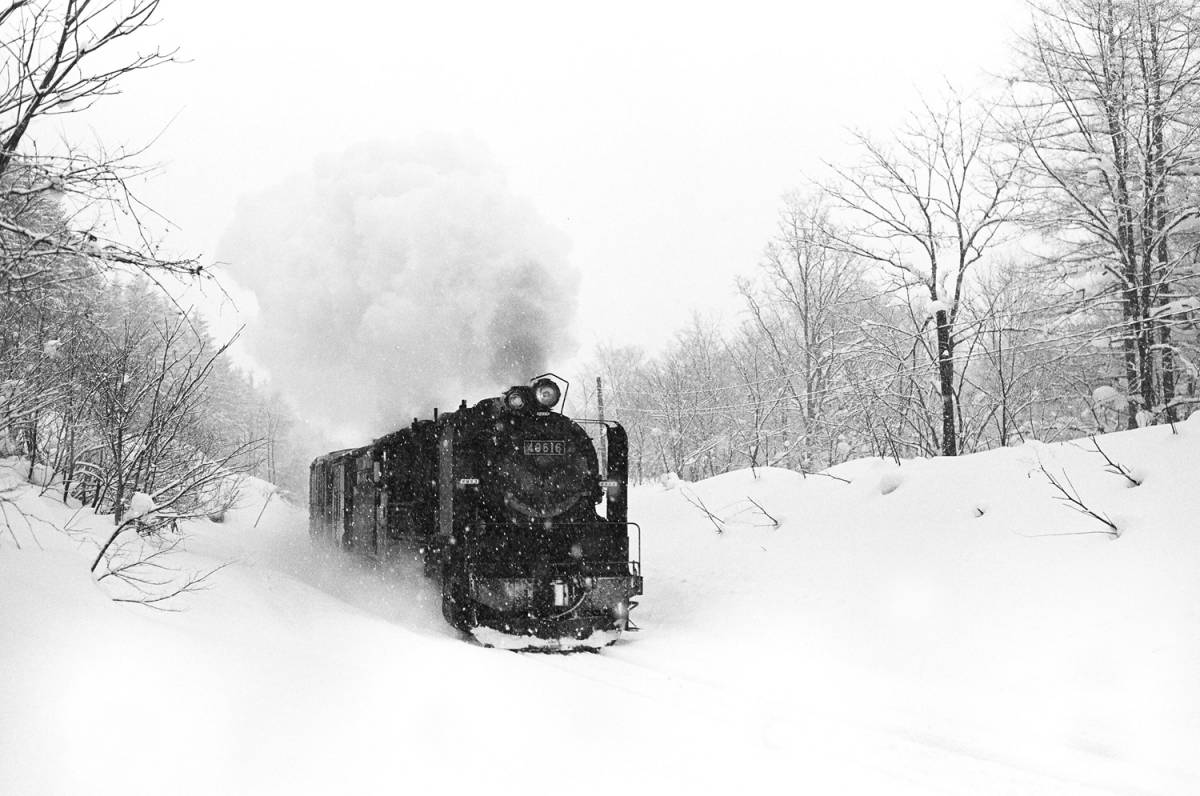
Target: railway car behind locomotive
point(510, 507)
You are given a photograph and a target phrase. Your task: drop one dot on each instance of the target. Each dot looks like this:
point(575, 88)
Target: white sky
point(659, 137)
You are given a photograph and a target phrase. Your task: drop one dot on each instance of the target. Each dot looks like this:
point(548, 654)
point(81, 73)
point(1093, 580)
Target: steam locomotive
point(512, 506)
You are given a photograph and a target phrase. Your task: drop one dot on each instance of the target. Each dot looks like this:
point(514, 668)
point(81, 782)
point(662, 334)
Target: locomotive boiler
point(516, 509)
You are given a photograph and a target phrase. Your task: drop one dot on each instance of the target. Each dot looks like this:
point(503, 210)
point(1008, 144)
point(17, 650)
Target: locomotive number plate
point(545, 447)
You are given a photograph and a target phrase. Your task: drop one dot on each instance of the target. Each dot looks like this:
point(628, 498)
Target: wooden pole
point(604, 429)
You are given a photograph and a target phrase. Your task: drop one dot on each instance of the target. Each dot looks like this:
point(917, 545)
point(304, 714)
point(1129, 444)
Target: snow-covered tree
point(1109, 99)
point(926, 208)
point(804, 310)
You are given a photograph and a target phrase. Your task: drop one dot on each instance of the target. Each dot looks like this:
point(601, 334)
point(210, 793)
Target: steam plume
point(395, 277)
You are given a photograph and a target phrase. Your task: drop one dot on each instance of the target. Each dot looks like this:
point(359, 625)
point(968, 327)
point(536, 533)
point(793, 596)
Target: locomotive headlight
point(547, 393)
point(515, 400)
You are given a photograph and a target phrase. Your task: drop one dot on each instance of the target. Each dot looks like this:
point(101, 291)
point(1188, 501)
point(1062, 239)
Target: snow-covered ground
point(946, 626)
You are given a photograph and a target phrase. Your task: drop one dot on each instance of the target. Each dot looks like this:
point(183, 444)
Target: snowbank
point(934, 626)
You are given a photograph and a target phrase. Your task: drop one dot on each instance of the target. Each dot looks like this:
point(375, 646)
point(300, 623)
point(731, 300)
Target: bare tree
point(116, 395)
point(926, 208)
point(688, 388)
point(147, 407)
point(806, 307)
point(1108, 96)
point(60, 57)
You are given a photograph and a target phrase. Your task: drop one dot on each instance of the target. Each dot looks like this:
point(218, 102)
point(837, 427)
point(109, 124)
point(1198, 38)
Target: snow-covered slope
point(945, 626)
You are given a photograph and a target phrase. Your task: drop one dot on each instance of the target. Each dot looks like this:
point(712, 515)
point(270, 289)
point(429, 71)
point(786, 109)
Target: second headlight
point(546, 392)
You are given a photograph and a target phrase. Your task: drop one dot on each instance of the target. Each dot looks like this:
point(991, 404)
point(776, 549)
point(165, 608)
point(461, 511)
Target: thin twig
point(1071, 497)
point(765, 513)
point(717, 522)
point(1065, 533)
point(827, 475)
point(8, 524)
point(1116, 468)
point(264, 508)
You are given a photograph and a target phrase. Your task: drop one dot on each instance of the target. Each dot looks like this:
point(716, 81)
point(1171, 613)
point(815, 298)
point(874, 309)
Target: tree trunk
point(118, 468)
point(946, 382)
point(31, 439)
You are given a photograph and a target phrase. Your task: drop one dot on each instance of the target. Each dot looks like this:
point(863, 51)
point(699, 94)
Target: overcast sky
point(657, 137)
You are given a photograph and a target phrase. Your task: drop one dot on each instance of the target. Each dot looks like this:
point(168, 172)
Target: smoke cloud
point(393, 278)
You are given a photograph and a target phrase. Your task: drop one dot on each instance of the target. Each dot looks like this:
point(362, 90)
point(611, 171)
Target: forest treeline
point(1011, 264)
point(111, 389)
point(115, 393)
